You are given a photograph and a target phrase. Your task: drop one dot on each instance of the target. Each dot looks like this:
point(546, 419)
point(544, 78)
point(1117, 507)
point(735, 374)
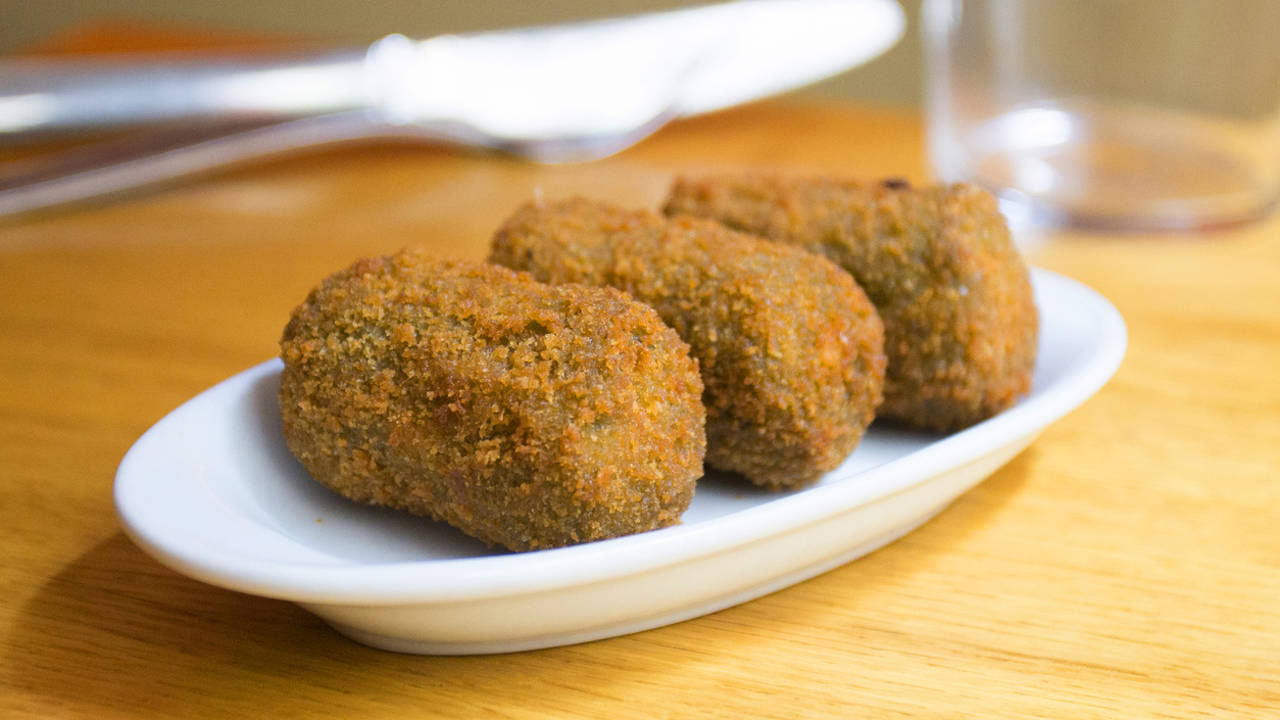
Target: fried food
point(938, 262)
point(790, 348)
point(526, 415)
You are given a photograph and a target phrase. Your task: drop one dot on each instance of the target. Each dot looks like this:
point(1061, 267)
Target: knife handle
point(66, 94)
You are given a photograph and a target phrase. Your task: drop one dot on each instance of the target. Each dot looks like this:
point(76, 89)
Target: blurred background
point(891, 79)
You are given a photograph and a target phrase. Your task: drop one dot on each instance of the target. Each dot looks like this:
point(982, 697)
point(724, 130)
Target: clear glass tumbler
point(1114, 114)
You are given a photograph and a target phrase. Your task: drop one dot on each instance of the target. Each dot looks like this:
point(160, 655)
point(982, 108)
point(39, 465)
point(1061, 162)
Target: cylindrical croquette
point(938, 262)
point(790, 348)
point(526, 415)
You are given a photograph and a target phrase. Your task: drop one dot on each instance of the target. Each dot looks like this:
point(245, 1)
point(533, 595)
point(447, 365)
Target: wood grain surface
point(1127, 565)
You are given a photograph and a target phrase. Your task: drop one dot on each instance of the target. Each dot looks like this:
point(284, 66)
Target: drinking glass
point(1114, 114)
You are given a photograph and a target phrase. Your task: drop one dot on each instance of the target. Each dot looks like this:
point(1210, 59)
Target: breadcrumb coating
point(790, 348)
point(938, 262)
point(526, 415)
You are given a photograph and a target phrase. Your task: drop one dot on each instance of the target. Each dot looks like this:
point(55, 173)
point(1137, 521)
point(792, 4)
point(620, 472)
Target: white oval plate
point(212, 492)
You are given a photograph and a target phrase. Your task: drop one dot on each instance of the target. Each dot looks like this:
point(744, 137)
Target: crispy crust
point(939, 264)
point(790, 348)
point(526, 415)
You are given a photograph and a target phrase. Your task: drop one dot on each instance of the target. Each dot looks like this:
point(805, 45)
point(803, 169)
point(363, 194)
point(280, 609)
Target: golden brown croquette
point(790, 349)
point(526, 415)
point(938, 262)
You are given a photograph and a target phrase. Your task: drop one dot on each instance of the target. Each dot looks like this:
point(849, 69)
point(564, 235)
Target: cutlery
point(564, 93)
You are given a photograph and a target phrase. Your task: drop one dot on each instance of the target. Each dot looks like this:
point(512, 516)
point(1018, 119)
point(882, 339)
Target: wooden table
point(1127, 565)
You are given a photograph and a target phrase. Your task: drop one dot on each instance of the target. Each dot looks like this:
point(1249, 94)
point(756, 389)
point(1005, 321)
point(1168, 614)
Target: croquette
point(526, 415)
point(790, 349)
point(939, 264)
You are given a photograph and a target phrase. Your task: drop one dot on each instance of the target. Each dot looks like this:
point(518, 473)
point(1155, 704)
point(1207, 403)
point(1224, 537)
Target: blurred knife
point(553, 94)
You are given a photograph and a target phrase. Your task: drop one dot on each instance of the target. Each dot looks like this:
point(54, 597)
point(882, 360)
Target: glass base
point(1112, 167)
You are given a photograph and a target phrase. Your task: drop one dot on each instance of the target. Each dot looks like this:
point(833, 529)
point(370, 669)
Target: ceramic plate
point(212, 492)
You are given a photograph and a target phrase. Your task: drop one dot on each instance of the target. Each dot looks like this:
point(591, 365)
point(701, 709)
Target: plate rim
point(474, 578)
